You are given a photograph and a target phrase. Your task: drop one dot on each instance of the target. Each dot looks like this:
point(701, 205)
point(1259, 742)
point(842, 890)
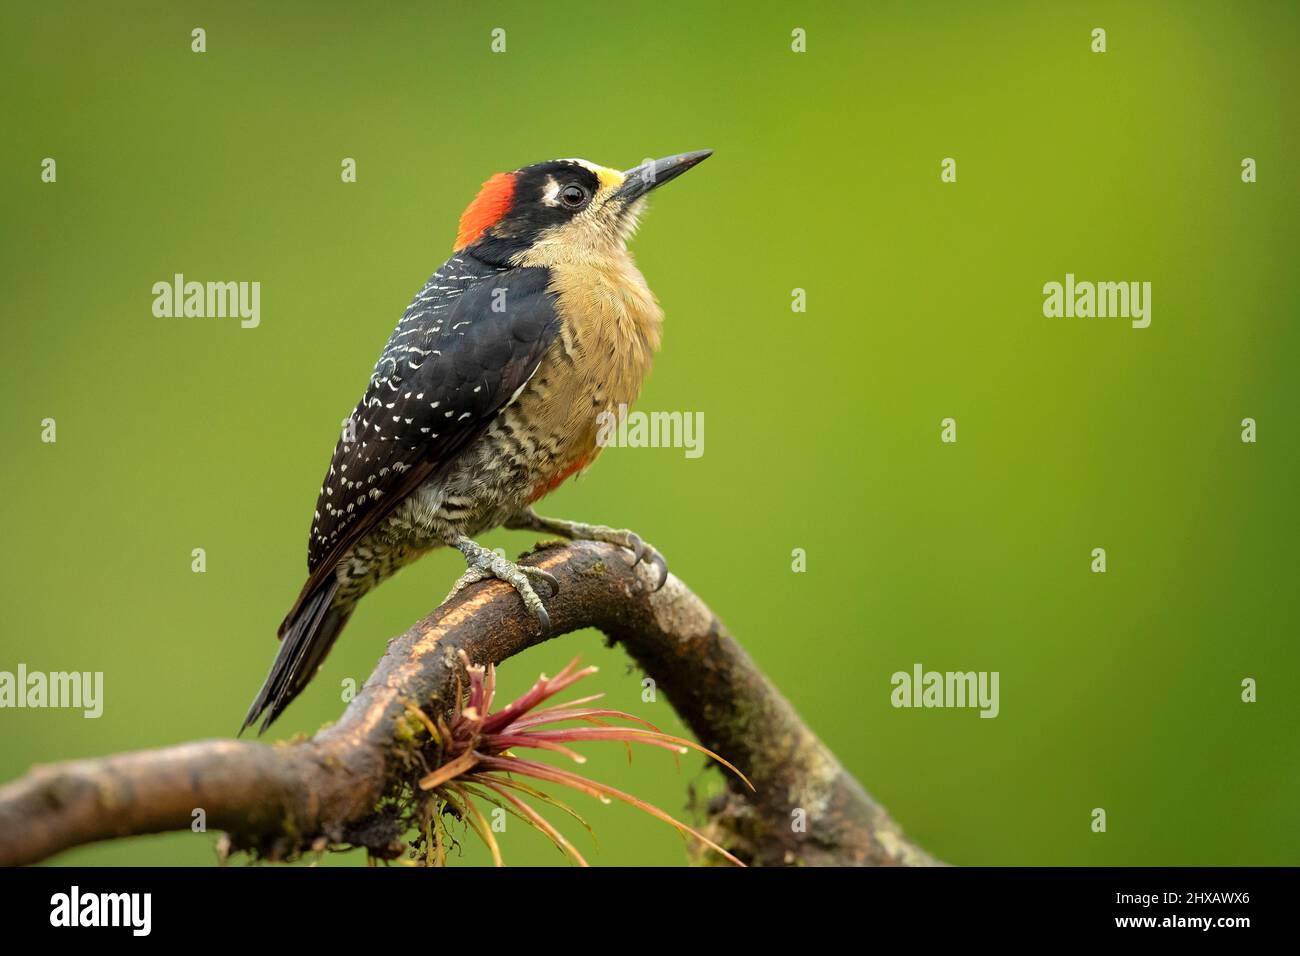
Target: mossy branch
point(338, 787)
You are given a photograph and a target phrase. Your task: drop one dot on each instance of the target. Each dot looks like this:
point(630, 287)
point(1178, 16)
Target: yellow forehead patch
point(609, 179)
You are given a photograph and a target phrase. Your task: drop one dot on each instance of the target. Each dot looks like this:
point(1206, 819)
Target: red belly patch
point(547, 485)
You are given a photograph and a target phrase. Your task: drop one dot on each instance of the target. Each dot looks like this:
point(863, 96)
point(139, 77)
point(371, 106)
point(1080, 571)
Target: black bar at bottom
point(331, 904)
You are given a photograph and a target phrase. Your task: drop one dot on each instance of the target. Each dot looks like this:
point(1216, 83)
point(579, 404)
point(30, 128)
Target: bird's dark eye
point(573, 195)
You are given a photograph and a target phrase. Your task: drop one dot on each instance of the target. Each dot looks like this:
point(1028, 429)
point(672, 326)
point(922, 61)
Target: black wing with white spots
point(471, 339)
point(464, 348)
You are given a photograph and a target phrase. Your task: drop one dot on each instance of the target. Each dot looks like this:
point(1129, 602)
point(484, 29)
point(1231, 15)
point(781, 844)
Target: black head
point(562, 203)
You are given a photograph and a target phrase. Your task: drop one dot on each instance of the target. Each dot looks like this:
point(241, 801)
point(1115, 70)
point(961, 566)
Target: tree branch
point(330, 789)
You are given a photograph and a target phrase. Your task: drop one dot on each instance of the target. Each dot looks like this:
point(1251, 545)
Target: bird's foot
point(484, 563)
point(579, 531)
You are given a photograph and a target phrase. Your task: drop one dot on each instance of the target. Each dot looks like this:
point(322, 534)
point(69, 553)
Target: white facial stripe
point(590, 167)
point(551, 192)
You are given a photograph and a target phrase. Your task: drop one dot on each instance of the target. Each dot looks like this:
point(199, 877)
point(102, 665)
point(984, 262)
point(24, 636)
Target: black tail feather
point(305, 641)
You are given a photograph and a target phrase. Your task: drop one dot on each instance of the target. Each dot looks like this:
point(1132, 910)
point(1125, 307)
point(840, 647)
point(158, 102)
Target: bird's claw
point(640, 552)
point(637, 546)
point(658, 561)
point(485, 564)
point(579, 531)
point(551, 581)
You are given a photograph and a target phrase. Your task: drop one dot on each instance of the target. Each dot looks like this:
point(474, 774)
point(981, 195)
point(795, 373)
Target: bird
point(486, 397)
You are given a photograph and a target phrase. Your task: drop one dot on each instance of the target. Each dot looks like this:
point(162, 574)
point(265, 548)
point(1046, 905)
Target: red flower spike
point(478, 759)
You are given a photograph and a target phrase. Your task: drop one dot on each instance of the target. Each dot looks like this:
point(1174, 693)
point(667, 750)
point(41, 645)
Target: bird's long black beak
point(650, 175)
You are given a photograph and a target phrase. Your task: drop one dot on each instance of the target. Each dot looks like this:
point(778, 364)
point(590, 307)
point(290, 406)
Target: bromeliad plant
point(479, 760)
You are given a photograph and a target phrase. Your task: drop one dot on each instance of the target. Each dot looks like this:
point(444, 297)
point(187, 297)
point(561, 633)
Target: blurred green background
point(1118, 690)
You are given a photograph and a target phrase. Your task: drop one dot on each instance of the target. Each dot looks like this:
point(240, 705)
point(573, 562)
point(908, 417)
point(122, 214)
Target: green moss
point(410, 730)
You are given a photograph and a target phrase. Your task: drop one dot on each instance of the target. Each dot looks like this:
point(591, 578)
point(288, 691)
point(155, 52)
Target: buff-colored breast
point(610, 329)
